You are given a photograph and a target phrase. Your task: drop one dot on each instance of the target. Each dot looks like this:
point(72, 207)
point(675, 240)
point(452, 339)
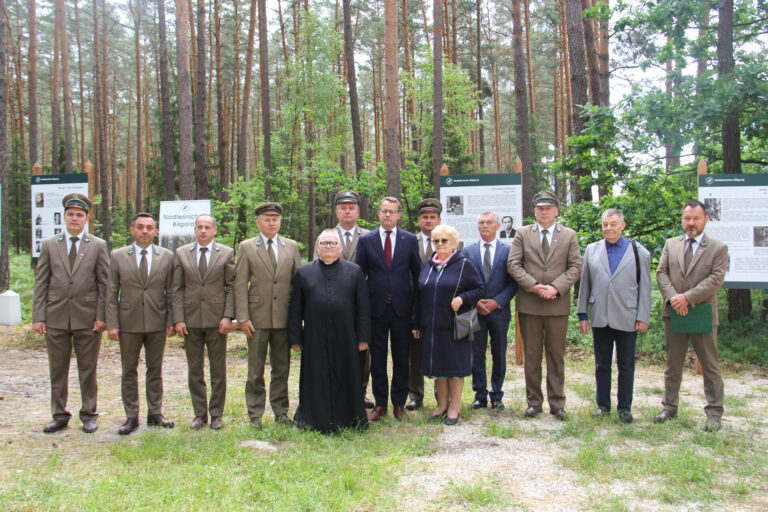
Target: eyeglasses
point(328, 244)
point(486, 222)
point(440, 240)
point(389, 212)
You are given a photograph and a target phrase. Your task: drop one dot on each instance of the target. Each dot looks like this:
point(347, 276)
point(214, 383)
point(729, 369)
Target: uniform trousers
point(194, 345)
point(280, 363)
point(130, 350)
point(705, 346)
point(544, 333)
point(385, 329)
point(59, 344)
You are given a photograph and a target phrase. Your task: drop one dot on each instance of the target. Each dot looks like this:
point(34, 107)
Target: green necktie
point(143, 267)
point(545, 243)
point(689, 253)
point(203, 263)
point(73, 252)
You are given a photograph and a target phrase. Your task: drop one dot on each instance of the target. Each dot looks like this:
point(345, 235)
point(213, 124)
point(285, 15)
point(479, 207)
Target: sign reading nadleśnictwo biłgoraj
point(177, 221)
point(48, 190)
point(737, 205)
point(466, 196)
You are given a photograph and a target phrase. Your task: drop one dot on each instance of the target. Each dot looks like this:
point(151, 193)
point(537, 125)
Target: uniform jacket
point(616, 300)
point(703, 279)
point(262, 295)
point(201, 303)
point(527, 265)
point(399, 279)
point(500, 286)
point(73, 299)
point(133, 306)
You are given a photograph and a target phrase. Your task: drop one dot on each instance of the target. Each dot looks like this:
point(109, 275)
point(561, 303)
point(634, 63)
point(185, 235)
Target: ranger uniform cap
point(270, 207)
point(346, 196)
point(76, 200)
point(546, 197)
point(429, 205)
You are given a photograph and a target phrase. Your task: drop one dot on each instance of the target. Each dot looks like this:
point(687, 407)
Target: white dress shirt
point(392, 237)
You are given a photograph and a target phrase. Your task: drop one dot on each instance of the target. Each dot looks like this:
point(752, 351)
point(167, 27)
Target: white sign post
point(177, 221)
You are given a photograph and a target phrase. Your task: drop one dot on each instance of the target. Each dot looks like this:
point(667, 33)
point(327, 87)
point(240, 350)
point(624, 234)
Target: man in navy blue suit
point(490, 256)
point(389, 258)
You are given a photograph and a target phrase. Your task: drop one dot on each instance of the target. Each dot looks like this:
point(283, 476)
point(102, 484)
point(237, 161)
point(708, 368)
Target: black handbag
point(465, 325)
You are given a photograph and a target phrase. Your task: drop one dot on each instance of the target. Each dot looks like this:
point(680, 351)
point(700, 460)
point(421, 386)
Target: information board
point(466, 196)
point(737, 205)
point(48, 190)
point(177, 221)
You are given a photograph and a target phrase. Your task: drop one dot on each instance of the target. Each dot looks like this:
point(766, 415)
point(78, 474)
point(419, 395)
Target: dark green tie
point(203, 263)
point(545, 243)
point(73, 252)
point(143, 268)
point(271, 252)
point(689, 253)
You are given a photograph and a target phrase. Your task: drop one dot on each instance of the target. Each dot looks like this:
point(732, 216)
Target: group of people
point(366, 297)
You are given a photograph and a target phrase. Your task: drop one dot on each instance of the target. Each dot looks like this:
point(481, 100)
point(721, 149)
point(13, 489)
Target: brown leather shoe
point(559, 414)
point(129, 426)
point(663, 416)
point(198, 422)
point(377, 413)
point(413, 405)
point(283, 419)
point(158, 420)
point(368, 404)
point(90, 426)
point(216, 423)
point(399, 412)
point(532, 412)
point(55, 426)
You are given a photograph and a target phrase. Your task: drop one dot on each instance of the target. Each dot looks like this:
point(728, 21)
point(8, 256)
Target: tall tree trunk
point(391, 99)
point(604, 59)
point(82, 158)
point(242, 137)
point(265, 110)
point(186, 176)
point(101, 128)
point(409, 100)
point(166, 141)
point(4, 266)
point(220, 113)
point(521, 108)
point(354, 102)
point(454, 35)
point(61, 20)
point(32, 83)
point(139, 198)
point(201, 125)
point(590, 45)
point(480, 88)
point(739, 301)
point(529, 60)
point(577, 64)
point(55, 107)
point(437, 94)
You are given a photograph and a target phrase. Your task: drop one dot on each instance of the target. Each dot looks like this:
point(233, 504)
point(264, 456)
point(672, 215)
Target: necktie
point(348, 240)
point(388, 249)
point(271, 252)
point(430, 249)
point(487, 261)
point(143, 270)
point(203, 263)
point(73, 252)
point(545, 243)
point(689, 254)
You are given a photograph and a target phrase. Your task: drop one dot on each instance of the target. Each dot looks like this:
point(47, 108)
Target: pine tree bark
point(604, 60)
point(55, 107)
point(186, 175)
point(265, 110)
point(242, 137)
point(521, 108)
point(354, 102)
point(32, 83)
point(81, 159)
point(437, 94)
point(139, 197)
point(221, 121)
point(101, 128)
point(60, 14)
point(480, 89)
point(590, 46)
point(165, 106)
point(391, 99)
point(4, 266)
point(201, 125)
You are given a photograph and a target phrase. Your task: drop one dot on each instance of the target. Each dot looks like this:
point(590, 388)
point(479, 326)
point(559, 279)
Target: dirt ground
point(525, 467)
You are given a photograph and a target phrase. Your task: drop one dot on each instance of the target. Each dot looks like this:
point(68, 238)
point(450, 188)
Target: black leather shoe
point(198, 422)
point(601, 412)
point(368, 404)
point(497, 405)
point(129, 426)
point(663, 416)
point(283, 419)
point(216, 423)
point(438, 416)
point(158, 420)
point(55, 426)
point(479, 404)
point(90, 426)
point(413, 405)
point(451, 421)
point(559, 414)
point(532, 412)
point(625, 416)
point(256, 422)
point(712, 424)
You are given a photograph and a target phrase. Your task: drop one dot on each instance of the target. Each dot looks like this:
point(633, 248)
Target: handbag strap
point(458, 283)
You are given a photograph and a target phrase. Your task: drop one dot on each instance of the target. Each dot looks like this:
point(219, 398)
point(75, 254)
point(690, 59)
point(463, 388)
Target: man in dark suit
point(139, 315)
point(203, 308)
point(70, 292)
point(490, 256)
point(545, 261)
point(389, 258)
point(429, 211)
point(691, 271)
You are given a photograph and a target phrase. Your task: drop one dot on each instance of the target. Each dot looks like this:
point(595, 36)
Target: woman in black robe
point(330, 297)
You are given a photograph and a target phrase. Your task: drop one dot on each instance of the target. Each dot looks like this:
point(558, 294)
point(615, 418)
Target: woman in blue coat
point(448, 284)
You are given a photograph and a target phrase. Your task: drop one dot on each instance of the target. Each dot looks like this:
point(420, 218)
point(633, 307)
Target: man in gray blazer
point(691, 271)
point(615, 292)
point(545, 261)
point(139, 315)
point(70, 292)
point(203, 308)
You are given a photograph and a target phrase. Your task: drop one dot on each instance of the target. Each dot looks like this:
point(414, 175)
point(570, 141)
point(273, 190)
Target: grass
point(475, 496)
